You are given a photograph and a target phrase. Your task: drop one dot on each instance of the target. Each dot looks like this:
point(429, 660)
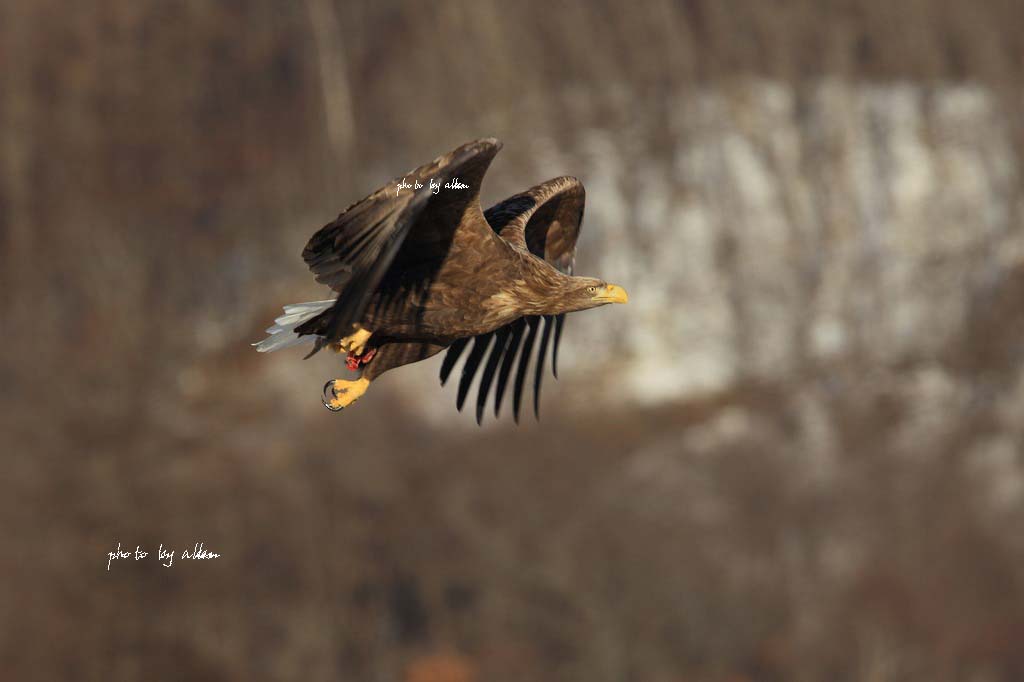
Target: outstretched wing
point(395, 227)
point(545, 220)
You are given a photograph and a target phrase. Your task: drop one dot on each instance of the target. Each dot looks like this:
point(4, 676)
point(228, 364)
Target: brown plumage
point(419, 267)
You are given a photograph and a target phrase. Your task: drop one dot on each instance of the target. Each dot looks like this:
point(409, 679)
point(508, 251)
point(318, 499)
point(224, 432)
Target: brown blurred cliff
point(798, 456)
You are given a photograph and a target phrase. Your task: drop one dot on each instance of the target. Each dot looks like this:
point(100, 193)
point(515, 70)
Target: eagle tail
point(282, 332)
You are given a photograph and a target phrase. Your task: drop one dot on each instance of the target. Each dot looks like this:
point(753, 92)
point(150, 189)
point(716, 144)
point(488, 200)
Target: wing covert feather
point(395, 227)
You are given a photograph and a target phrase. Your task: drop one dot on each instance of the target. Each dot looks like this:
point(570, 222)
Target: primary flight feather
point(419, 267)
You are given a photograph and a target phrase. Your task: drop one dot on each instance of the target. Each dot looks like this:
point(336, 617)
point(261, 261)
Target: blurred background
point(795, 455)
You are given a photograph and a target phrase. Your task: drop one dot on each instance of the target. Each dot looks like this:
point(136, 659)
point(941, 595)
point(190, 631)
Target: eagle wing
point(546, 221)
point(395, 228)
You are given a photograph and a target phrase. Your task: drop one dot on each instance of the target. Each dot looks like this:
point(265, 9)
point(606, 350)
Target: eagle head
point(581, 293)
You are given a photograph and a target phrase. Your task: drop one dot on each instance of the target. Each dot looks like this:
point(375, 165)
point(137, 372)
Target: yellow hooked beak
point(612, 294)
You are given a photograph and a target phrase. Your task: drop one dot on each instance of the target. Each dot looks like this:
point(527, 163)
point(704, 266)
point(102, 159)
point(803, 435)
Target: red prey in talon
point(353, 361)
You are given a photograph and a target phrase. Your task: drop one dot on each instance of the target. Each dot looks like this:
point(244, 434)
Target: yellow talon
point(339, 393)
point(353, 343)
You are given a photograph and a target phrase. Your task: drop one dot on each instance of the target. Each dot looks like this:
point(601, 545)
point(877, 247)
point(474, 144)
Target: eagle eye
point(591, 290)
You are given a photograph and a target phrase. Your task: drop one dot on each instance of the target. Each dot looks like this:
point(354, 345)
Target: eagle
point(419, 267)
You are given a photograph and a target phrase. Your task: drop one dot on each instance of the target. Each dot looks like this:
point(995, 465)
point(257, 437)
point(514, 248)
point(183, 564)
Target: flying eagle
point(419, 267)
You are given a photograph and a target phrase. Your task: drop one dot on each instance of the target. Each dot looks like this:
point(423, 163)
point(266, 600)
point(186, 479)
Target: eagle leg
point(353, 343)
point(339, 394)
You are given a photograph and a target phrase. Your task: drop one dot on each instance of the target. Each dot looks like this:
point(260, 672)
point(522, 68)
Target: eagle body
point(417, 272)
point(483, 284)
point(468, 295)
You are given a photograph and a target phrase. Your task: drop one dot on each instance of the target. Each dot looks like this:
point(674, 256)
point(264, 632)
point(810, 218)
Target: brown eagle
point(419, 267)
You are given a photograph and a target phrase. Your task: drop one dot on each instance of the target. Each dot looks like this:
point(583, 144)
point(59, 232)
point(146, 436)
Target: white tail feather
point(282, 333)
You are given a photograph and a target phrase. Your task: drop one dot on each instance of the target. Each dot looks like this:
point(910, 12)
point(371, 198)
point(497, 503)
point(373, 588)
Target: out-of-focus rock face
point(786, 228)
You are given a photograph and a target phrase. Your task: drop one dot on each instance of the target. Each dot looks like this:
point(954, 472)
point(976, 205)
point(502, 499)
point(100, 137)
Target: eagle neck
point(540, 288)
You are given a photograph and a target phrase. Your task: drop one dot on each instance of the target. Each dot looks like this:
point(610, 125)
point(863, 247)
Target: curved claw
point(334, 396)
point(339, 394)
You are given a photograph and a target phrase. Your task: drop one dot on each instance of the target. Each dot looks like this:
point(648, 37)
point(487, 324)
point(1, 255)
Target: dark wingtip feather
point(524, 363)
point(538, 376)
point(518, 327)
point(497, 351)
point(451, 357)
point(559, 322)
point(480, 344)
